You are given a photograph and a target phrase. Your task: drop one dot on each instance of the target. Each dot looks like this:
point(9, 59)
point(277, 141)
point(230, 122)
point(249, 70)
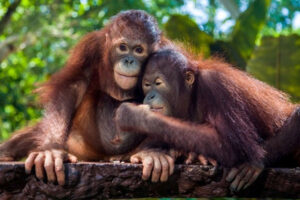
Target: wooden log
point(108, 180)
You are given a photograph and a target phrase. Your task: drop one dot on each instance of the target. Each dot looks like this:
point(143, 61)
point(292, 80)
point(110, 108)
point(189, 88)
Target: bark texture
point(107, 180)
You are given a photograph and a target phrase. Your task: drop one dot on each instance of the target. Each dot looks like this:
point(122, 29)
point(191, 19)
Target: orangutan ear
point(189, 78)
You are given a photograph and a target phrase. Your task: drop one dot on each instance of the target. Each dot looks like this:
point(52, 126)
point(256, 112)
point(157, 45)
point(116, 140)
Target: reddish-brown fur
point(66, 96)
point(229, 116)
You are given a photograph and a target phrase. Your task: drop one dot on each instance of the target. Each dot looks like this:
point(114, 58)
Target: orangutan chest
point(113, 140)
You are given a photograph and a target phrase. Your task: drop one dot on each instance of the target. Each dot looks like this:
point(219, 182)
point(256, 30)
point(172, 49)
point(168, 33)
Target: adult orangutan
point(213, 109)
point(79, 103)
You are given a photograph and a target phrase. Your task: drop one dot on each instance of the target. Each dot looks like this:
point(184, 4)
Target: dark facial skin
point(163, 94)
point(154, 88)
point(128, 56)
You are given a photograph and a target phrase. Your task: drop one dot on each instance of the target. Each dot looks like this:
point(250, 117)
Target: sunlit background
point(259, 36)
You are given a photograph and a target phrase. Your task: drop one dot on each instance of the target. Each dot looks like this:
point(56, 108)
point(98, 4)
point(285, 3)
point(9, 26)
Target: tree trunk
point(7, 16)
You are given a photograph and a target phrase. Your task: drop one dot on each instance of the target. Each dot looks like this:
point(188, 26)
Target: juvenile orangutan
point(210, 108)
point(80, 101)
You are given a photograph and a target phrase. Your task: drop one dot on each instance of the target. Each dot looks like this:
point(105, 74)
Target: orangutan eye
point(123, 47)
point(158, 82)
point(147, 84)
point(139, 49)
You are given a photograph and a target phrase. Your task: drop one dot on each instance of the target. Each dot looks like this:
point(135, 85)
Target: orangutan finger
point(173, 153)
point(164, 169)
point(156, 169)
point(148, 164)
point(191, 157)
point(144, 106)
point(72, 158)
point(231, 175)
point(59, 170)
point(39, 166)
point(49, 166)
point(171, 164)
point(30, 162)
point(238, 178)
point(202, 160)
point(135, 159)
point(212, 161)
point(254, 177)
point(245, 179)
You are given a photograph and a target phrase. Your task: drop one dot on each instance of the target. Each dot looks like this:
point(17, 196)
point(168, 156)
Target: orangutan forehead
point(131, 41)
point(131, 32)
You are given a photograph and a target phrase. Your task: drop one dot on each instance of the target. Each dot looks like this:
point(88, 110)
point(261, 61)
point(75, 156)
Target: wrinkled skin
point(156, 165)
point(52, 161)
point(243, 176)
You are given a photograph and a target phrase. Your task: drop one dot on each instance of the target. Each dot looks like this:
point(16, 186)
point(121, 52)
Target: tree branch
point(107, 180)
point(14, 43)
point(7, 16)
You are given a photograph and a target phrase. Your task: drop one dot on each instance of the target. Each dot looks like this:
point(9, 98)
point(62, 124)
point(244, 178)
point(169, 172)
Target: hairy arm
point(62, 94)
point(198, 138)
point(58, 114)
point(229, 135)
point(60, 97)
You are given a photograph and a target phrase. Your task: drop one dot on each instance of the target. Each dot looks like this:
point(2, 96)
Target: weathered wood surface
point(106, 180)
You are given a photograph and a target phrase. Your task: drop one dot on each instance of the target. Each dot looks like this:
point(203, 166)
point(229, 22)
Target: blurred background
point(258, 36)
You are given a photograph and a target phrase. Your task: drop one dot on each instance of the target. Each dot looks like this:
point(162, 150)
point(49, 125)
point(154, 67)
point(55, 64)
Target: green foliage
point(17, 104)
point(283, 19)
point(246, 30)
point(184, 29)
point(277, 62)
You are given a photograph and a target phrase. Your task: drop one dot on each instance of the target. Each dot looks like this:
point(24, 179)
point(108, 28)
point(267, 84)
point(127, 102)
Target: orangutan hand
point(156, 164)
point(52, 161)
